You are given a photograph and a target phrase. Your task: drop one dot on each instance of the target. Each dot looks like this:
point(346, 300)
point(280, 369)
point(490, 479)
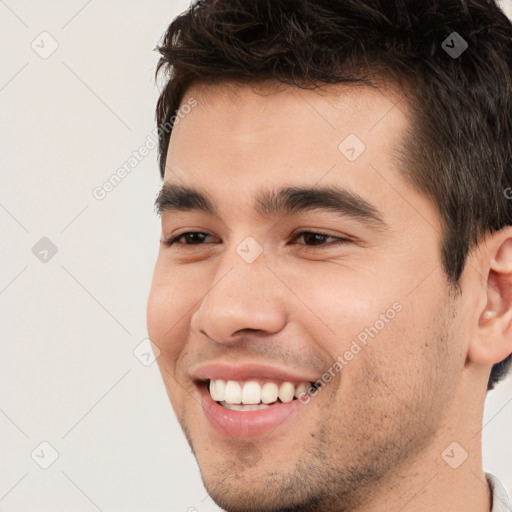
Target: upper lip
point(247, 371)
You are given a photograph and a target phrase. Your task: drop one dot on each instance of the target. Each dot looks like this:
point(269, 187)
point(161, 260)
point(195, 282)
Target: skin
point(372, 439)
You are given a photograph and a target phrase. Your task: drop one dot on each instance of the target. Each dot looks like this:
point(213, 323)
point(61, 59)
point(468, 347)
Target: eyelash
point(339, 240)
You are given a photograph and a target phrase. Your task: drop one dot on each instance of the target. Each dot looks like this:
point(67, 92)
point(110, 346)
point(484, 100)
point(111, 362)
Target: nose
point(244, 297)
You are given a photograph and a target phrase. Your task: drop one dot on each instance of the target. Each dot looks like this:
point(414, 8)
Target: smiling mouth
point(254, 394)
point(246, 403)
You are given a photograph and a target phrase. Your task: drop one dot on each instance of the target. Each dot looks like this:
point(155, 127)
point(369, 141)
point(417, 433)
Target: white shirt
point(500, 500)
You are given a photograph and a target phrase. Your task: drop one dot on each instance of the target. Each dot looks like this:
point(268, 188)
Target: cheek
point(415, 353)
point(167, 329)
point(341, 304)
point(376, 319)
point(167, 314)
point(157, 322)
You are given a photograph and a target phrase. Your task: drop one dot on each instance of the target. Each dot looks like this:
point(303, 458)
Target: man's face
point(259, 298)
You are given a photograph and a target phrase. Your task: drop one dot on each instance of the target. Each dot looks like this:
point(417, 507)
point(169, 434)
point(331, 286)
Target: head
point(357, 121)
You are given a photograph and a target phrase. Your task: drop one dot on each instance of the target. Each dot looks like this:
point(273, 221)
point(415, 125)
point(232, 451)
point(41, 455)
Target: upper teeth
point(251, 392)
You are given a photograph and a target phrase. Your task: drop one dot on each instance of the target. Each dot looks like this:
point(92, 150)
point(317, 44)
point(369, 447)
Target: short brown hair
point(459, 147)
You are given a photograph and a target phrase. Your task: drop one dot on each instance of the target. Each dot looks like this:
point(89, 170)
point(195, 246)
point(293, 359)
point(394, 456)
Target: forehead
point(241, 138)
point(264, 131)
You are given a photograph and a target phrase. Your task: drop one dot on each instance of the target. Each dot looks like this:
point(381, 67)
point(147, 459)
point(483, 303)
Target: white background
point(69, 326)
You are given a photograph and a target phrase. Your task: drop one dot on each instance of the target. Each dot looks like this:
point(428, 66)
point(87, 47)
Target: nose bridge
point(244, 295)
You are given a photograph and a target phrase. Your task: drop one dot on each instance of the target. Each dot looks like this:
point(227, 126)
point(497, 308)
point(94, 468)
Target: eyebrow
point(285, 201)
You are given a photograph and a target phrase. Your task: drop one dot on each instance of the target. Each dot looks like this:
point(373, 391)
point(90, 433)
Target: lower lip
point(246, 424)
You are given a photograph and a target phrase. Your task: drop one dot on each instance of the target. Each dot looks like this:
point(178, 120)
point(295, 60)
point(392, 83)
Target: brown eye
point(190, 238)
point(313, 239)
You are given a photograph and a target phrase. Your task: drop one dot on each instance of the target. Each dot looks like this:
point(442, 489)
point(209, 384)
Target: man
point(332, 296)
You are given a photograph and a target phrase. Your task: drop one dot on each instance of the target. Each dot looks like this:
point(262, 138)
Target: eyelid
point(172, 240)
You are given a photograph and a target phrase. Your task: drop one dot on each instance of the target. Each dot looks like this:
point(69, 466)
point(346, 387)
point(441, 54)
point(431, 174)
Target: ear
point(493, 341)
